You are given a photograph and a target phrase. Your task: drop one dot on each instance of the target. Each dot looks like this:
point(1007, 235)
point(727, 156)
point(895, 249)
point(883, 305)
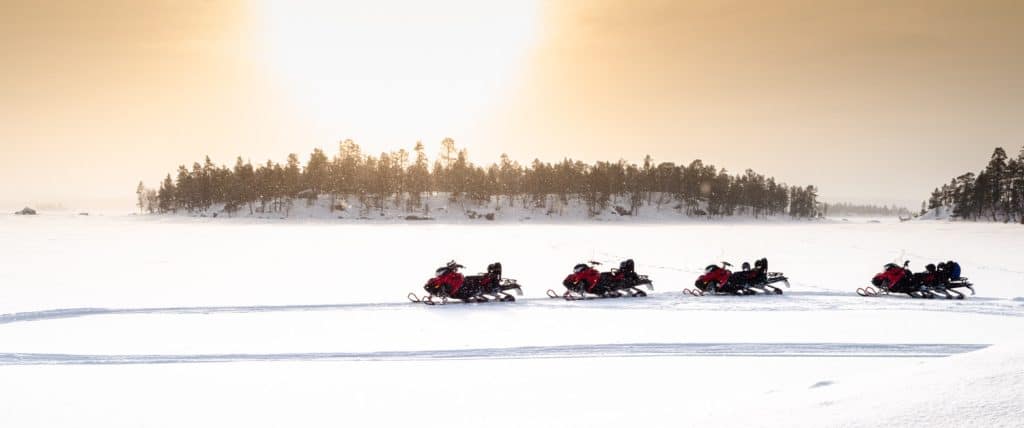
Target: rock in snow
point(26, 211)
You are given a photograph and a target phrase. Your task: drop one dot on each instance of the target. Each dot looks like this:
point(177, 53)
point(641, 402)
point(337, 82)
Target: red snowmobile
point(586, 280)
point(933, 282)
point(448, 284)
point(720, 280)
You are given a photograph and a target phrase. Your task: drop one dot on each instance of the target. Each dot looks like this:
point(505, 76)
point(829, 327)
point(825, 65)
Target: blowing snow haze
point(870, 101)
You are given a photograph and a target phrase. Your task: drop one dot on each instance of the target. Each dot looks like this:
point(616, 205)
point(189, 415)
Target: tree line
point(995, 193)
point(401, 179)
point(843, 208)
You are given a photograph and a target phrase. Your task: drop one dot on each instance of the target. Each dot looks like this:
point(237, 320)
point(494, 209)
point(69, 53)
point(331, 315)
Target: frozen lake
point(126, 321)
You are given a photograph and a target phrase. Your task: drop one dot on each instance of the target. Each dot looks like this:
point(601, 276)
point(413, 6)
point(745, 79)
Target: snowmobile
point(585, 280)
point(448, 284)
point(720, 280)
point(931, 283)
point(892, 279)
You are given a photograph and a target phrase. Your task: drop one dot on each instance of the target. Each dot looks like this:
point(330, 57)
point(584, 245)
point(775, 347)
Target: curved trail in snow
point(665, 301)
point(623, 350)
point(668, 301)
point(55, 314)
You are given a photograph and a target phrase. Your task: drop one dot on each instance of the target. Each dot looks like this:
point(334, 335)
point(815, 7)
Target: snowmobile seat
point(744, 277)
point(954, 270)
point(628, 269)
point(494, 269)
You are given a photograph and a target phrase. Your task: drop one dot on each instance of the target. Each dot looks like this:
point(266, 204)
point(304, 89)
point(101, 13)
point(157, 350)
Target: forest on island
point(401, 179)
point(995, 193)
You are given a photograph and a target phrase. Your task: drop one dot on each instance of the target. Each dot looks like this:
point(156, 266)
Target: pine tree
point(997, 184)
point(1016, 187)
point(243, 181)
point(935, 201)
point(419, 176)
point(963, 197)
point(292, 176)
point(185, 189)
point(140, 192)
point(314, 176)
point(167, 196)
point(152, 201)
point(508, 178)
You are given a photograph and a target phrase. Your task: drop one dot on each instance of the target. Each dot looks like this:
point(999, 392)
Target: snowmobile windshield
point(441, 271)
point(579, 268)
point(710, 268)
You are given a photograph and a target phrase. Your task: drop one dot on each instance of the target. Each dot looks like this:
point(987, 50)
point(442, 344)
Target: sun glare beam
point(387, 73)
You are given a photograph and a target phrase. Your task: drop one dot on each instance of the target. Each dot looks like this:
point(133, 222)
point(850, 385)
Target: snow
point(179, 321)
point(937, 213)
point(439, 207)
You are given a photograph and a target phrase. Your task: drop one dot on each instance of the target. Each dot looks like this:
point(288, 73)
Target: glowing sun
point(393, 69)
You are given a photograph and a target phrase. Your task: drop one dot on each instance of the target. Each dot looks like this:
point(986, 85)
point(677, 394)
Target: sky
point(871, 101)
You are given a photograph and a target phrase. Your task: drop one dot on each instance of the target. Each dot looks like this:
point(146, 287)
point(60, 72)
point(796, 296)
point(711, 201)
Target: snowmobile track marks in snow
point(793, 301)
point(619, 350)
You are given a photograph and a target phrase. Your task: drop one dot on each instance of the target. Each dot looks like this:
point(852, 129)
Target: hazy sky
point(869, 100)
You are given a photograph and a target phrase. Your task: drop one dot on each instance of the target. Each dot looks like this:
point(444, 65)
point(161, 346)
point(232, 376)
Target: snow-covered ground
point(175, 321)
point(439, 207)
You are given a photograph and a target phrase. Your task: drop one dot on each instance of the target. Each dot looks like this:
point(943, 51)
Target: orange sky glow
point(875, 101)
